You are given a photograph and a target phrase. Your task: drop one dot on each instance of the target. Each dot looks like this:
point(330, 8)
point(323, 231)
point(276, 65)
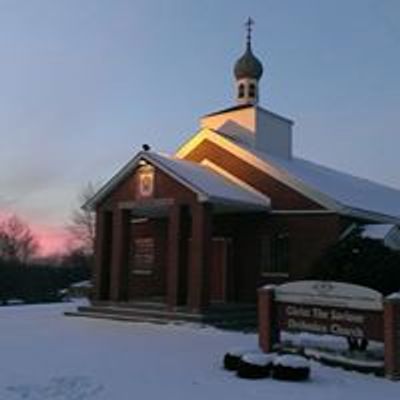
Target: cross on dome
point(248, 71)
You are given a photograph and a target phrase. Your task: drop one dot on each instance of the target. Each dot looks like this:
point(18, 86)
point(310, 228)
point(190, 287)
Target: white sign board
point(331, 294)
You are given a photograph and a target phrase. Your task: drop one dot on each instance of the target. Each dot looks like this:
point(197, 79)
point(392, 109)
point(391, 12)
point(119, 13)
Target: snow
point(241, 351)
point(346, 189)
point(47, 356)
point(328, 343)
point(394, 296)
point(207, 181)
point(378, 231)
point(289, 360)
point(259, 359)
point(82, 284)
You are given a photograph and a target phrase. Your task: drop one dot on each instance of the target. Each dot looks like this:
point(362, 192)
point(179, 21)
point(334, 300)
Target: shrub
point(36, 283)
point(362, 261)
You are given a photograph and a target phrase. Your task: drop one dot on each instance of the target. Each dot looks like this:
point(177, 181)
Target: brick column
point(391, 314)
point(102, 253)
point(200, 256)
point(175, 237)
point(267, 324)
point(119, 259)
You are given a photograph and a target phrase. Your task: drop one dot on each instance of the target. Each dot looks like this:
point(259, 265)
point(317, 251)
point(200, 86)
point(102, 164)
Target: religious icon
point(146, 182)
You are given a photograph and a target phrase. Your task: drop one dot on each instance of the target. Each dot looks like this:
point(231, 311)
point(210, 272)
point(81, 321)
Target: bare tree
point(82, 225)
point(17, 242)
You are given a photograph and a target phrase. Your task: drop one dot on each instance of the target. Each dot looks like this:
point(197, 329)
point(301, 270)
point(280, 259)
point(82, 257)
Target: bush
point(36, 283)
point(361, 261)
point(255, 366)
point(291, 368)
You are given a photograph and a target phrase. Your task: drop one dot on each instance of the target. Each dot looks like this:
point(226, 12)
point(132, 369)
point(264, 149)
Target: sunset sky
point(85, 83)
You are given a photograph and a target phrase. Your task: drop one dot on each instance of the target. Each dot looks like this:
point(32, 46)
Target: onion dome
point(248, 66)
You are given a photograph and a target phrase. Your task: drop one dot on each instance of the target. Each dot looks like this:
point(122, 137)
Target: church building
point(233, 209)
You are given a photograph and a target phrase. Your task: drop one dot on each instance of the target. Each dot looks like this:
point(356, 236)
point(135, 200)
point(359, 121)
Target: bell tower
point(248, 71)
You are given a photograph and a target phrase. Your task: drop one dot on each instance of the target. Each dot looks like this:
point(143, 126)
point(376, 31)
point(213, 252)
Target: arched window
point(252, 90)
point(241, 91)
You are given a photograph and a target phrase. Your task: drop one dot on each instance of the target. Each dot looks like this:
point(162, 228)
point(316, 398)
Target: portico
point(174, 243)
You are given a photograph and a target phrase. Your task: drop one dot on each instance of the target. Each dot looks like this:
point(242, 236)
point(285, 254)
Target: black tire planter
point(232, 358)
point(231, 362)
point(251, 370)
point(283, 371)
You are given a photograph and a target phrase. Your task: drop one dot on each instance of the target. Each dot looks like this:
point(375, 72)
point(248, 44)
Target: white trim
point(219, 170)
point(301, 212)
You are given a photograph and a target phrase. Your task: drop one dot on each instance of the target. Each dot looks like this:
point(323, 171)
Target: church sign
point(330, 308)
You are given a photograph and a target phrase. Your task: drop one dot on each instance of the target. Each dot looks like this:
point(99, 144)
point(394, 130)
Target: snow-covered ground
point(44, 355)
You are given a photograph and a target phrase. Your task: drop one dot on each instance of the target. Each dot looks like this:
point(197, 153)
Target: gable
point(331, 189)
point(127, 190)
point(282, 197)
point(170, 177)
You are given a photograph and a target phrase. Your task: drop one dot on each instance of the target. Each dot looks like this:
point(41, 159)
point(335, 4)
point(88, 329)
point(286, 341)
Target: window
point(252, 90)
point(241, 91)
point(275, 253)
point(143, 255)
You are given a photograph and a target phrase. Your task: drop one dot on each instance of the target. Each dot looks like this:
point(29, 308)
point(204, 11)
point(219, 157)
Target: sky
point(85, 83)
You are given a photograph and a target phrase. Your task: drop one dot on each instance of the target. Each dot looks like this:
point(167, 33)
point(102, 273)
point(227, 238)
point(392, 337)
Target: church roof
point(335, 190)
point(207, 184)
point(351, 193)
point(214, 186)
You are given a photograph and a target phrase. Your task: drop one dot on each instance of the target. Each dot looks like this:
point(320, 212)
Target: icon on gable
point(146, 181)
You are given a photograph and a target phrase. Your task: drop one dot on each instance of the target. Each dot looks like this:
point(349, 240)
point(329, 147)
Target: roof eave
point(369, 215)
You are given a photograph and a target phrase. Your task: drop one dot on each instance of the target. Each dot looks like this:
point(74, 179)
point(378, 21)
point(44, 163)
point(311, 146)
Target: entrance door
point(218, 273)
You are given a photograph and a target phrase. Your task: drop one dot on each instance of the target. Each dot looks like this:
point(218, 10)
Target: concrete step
point(231, 317)
point(140, 312)
point(242, 325)
point(208, 317)
point(115, 317)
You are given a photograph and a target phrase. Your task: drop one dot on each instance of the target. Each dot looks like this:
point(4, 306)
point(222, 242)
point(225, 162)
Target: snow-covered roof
point(207, 184)
point(389, 234)
point(346, 192)
point(376, 231)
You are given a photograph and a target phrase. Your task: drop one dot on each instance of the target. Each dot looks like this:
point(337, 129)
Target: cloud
point(51, 239)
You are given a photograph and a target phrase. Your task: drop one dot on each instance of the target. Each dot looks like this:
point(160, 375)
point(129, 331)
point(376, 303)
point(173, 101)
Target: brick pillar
point(102, 253)
point(119, 259)
point(267, 324)
point(174, 255)
point(391, 315)
point(200, 256)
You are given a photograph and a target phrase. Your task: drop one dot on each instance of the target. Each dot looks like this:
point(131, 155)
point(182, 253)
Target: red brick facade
point(189, 240)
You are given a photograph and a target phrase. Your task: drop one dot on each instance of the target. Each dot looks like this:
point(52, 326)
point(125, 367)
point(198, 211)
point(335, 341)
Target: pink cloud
point(51, 239)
